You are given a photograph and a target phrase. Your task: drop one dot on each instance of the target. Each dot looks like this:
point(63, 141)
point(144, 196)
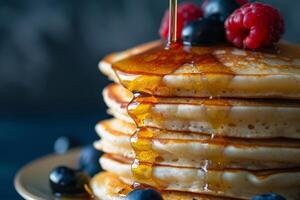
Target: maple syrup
point(140, 110)
point(173, 22)
point(145, 157)
point(143, 74)
point(141, 141)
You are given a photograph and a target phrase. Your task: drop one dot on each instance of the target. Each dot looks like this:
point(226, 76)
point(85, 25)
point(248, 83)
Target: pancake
point(228, 183)
point(222, 117)
point(115, 137)
point(219, 71)
point(198, 150)
point(108, 186)
point(117, 98)
point(105, 64)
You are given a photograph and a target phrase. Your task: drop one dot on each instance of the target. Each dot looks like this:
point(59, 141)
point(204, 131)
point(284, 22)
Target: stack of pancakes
point(223, 124)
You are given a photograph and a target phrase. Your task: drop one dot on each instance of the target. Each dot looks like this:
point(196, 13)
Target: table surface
point(26, 138)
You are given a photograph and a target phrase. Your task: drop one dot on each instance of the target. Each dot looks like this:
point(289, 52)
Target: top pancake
point(218, 71)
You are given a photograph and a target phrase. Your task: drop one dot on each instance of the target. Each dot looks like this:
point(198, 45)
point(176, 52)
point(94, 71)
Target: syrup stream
point(172, 22)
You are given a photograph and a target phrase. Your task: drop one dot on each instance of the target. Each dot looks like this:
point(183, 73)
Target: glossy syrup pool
point(145, 72)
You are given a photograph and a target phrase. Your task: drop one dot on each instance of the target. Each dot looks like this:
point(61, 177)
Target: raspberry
point(186, 13)
point(254, 26)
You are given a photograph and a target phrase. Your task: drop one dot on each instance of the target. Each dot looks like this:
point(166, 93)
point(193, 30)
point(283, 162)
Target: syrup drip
point(142, 166)
point(141, 109)
point(141, 142)
point(143, 75)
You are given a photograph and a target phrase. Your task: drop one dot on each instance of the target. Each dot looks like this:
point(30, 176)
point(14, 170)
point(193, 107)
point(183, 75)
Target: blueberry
point(144, 194)
point(219, 9)
point(89, 160)
point(205, 31)
point(67, 181)
point(269, 196)
point(63, 144)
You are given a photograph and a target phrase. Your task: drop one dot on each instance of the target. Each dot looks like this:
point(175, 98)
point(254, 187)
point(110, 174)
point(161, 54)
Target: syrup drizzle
point(172, 23)
point(150, 67)
point(141, 110)
point(141, 141)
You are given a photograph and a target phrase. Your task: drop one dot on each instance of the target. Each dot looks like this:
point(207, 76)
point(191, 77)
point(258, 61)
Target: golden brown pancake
point(108, 186)
point(198, 150)
point(239, 183)
point(218, 71)
point(224, 117)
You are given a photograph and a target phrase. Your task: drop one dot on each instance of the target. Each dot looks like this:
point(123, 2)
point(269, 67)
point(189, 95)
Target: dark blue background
point(49, 81)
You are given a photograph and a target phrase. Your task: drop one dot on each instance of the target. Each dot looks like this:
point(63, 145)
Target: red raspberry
point(254, 26)
point(187, 12)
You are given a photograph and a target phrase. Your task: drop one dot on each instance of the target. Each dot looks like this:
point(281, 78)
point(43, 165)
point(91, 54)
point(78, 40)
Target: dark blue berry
point(269, 196)
point(205, 31)
point(219, 9)
point(89, 160)
point(63, 144)
point(144, 194)
point(67, 181)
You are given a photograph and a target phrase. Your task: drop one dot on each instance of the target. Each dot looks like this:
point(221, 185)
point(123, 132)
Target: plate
point(31, 182)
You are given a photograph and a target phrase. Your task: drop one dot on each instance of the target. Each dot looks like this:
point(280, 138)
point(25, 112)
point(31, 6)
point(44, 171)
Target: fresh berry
point(144, 194)
point(219, 9)
point(254, 26)
point(66, 181)
point(186, 13)
point(270, 196)
point(89, 160)
point(205, 31)
point(63, 144)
